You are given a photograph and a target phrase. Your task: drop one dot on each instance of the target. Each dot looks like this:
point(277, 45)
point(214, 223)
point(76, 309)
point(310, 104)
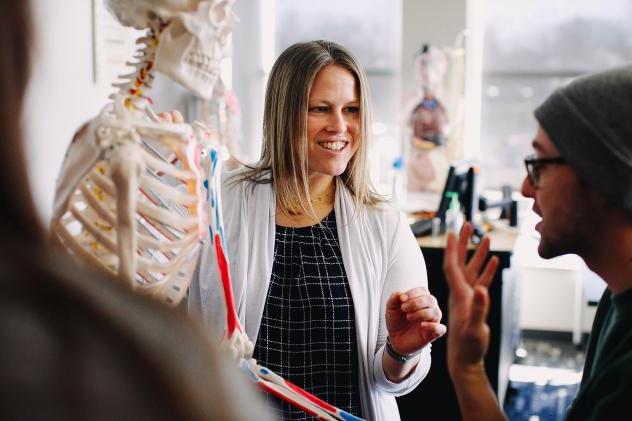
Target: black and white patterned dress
point(307, 332)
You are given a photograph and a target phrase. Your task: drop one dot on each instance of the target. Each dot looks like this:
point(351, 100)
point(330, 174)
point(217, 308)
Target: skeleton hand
point(238, 345)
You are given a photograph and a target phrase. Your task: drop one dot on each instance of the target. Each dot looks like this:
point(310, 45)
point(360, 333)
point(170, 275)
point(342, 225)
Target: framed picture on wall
point(112, 44)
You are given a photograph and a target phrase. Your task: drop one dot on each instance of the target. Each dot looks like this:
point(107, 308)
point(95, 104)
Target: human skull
point(140, 14)
point(193, 41)
point(192, 45)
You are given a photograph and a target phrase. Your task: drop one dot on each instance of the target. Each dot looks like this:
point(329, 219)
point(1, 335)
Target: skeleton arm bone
point(127, 167)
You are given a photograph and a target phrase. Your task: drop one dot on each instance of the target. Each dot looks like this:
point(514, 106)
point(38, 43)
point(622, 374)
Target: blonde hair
point(284, 157)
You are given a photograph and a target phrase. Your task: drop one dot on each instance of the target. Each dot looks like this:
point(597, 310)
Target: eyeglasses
point(534, 166)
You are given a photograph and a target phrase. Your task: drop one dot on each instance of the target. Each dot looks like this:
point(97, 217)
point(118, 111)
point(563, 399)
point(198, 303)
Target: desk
point(429, 400)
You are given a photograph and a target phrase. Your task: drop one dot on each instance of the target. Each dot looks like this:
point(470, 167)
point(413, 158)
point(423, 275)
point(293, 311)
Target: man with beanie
point(580, 178)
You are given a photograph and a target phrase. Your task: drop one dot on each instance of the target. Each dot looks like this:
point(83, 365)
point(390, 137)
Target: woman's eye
point(353, 109)
point(319, 109)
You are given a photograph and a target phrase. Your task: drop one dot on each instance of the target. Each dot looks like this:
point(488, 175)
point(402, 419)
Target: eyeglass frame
point(534, 166)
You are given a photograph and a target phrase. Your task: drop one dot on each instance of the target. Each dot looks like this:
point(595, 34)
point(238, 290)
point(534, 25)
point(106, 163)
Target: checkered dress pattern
point(307, 332)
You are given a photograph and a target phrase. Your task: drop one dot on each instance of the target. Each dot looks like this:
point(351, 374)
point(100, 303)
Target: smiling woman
point(317, 94)
point(324, 271)
point(333, 124)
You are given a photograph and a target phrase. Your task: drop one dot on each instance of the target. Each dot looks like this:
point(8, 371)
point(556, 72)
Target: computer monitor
point(461, 179)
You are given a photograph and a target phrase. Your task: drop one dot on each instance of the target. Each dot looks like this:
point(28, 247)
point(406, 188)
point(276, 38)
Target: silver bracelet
point(396, 355)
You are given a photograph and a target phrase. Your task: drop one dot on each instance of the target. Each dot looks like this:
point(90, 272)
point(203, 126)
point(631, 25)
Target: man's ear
point(617, 214)
point(625, 216)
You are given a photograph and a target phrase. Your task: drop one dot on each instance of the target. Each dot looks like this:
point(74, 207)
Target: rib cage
point(165, 226)
point(136, 211)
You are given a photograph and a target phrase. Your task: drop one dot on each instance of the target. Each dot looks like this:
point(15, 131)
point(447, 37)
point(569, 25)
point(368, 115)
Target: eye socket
point(353, 109)
point(218, 12)
point(177, 28)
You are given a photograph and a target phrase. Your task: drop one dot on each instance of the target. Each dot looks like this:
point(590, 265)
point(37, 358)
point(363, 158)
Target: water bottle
point(453, 216)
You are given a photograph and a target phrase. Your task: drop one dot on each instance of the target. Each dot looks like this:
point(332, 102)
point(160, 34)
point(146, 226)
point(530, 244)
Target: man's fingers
point(480, 305)
point(464, 239)
point(488, 273)
point(473, 267)
point(450, 259)
point(454, 275)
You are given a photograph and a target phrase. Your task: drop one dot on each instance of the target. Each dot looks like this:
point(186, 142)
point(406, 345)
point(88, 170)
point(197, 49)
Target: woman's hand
point(171, 117)
point(412, 320)
point(468, 337)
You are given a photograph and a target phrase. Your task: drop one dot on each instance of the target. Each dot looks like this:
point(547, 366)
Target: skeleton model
point(132, 191)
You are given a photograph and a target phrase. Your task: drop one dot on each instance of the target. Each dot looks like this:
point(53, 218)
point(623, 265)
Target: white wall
point(248, 76)
point(61, 94)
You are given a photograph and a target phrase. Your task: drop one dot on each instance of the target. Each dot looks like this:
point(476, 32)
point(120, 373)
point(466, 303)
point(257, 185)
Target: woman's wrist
point(401, 358)
point(398, 366)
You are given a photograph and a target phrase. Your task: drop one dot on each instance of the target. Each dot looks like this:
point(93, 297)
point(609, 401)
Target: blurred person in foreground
point(75, 344)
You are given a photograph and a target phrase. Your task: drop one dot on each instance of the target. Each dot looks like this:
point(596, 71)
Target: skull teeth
point(196, 57)
point(203, 62)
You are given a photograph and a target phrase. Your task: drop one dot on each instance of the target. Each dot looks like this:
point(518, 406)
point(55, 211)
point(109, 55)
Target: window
point(530, 48)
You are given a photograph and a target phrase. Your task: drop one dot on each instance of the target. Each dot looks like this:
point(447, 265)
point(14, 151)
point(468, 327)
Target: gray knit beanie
point(590, 123)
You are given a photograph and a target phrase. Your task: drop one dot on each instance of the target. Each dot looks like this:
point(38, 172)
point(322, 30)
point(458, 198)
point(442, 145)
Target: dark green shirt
point(612, 316)
point(605, 392)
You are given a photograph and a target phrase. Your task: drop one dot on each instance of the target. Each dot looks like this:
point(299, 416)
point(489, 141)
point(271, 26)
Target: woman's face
point(333, 121)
